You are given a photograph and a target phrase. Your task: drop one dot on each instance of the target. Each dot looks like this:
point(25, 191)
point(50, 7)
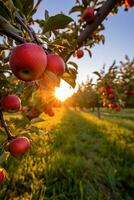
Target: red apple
point(79, 53)
point(112, 105)
point(88, 14)
point(111, 96)
point(128, 92)
point(105, 104)
point(48, 110)
point(118, 109)
point(55, 64)
point(33, 113)
point(2, 175)
point(19, 146)
point(28, 61)
point(129, 3)
point(11, 103)
point(110, 90)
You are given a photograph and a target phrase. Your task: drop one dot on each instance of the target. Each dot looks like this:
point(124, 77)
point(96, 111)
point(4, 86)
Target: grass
point(76, 157)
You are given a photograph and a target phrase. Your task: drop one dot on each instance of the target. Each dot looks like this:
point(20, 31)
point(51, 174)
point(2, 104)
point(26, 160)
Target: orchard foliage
point(59, 35)
point(114, 88)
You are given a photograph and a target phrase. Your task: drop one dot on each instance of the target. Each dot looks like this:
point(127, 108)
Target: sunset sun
point(63, 92)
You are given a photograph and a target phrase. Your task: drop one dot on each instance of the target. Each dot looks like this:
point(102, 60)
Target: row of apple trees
point(114, 88)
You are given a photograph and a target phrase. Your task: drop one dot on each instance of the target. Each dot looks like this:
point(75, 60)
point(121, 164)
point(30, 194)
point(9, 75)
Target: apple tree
point(32, 64)
point(126, 82)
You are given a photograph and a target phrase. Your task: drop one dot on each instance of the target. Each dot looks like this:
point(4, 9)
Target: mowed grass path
point(76, 157)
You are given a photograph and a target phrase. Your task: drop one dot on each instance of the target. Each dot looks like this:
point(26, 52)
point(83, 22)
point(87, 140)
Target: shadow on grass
point(87, 159)
point(87, 162)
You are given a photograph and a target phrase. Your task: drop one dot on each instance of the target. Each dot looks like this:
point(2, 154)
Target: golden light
point(64, 91)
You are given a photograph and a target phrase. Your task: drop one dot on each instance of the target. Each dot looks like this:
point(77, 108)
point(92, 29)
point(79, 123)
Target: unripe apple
point(2, 175)
point(129, 3)
point(55, 64)
point(28, 61)
point(79, 53)
point(19, 146)
point(11, 103)
point(88, 14)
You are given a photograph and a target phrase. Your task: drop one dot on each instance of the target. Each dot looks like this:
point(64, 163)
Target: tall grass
point(76, 157)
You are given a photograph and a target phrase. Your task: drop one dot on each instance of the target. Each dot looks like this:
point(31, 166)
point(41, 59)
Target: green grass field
point(76, 156)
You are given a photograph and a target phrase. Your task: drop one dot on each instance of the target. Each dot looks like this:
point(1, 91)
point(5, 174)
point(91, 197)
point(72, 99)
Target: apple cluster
point(28, 62)
point(109, 98)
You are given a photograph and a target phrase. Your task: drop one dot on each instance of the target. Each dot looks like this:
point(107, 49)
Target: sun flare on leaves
point(63, 92)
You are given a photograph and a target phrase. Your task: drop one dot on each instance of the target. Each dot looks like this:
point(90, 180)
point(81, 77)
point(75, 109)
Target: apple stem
point(4, 125)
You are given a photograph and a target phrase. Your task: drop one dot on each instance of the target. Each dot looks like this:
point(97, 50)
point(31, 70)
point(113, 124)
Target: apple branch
point(100, 16)
point(90, 28)
point(4, 125)
point(14, 36)
point(20, 21)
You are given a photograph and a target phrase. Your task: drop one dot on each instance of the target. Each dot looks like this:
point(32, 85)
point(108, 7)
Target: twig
point(90, 28)
point(15, 37)
point(3, 123)
point(20, 20)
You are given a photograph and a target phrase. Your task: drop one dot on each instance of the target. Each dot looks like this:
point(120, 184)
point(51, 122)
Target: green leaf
point(5, 26)
point(36, 120)
point(76, 9)
point(46, 14)
point(59, 21)
point(25, 6)
point(4, 11)
point(69, 79)
point(97, 73)
point(89, 52)
point(85, 2)
point(73, 64)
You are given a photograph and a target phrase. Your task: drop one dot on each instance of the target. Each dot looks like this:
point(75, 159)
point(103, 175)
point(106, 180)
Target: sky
point(119, 35)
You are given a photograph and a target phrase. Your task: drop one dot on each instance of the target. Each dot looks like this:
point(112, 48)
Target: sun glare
point(64, 91)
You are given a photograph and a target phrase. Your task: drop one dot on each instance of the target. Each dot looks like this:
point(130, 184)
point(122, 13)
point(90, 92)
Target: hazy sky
point(119, 35)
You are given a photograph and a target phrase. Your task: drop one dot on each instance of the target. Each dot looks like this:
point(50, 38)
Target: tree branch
point(3, 123)
point(20, 20)
point(100, 16)
point(90, 28)
point(14, 36)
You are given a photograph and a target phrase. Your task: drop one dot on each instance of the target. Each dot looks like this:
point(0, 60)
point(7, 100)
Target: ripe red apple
point(11, 103)
point(112, 105)
point(105, 104)
point(28, 61)
point(88, 14)
point(19, 146)
point(55, 64)
point(128, 92)
point(33, 113)
point(111, 96)
point(79, 53)
point(129, 3)
point(110, 90)
point(48, 110)
point(118, 109)
point(2, 175)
